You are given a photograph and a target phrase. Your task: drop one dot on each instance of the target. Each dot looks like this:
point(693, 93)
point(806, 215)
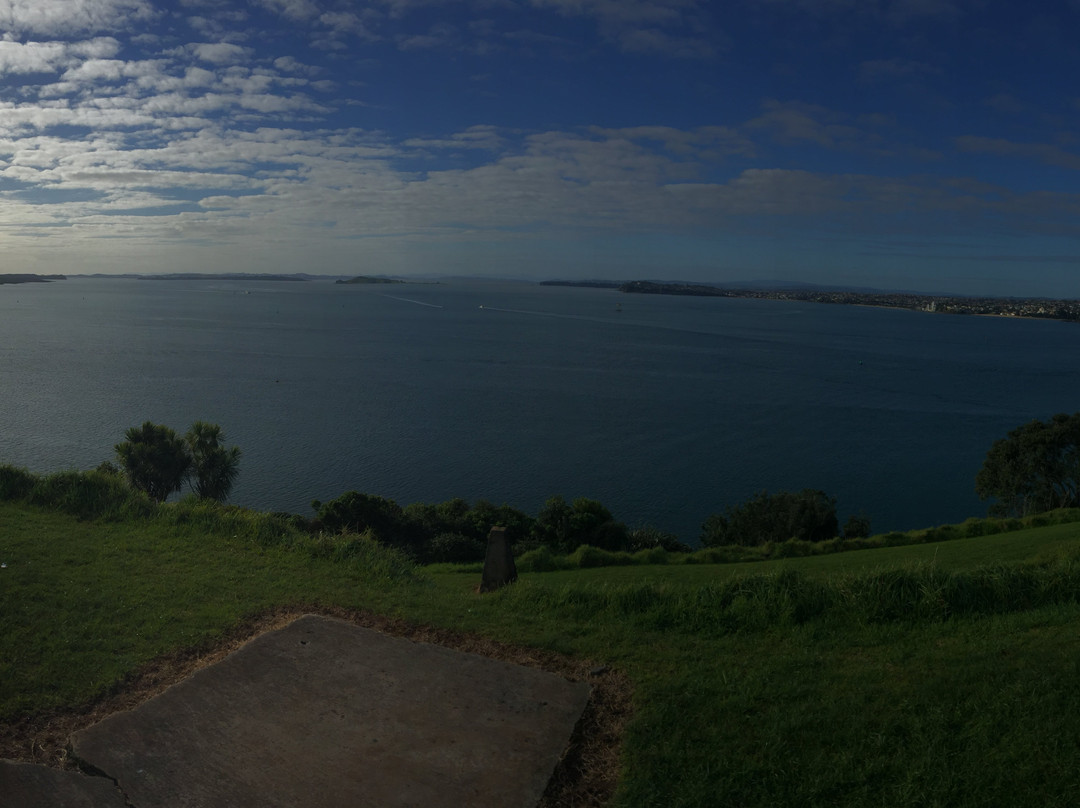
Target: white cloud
point(60, 17)
point(33, 57)
point(289, 64)
point(220, 53)
point(96, 70)
point(293, 9)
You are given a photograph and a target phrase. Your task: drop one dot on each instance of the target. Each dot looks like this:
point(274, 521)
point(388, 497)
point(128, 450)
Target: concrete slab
point(26, 785)
point(324, 713)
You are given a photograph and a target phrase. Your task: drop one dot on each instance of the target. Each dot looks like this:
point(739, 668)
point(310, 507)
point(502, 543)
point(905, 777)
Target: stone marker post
point(499, 567)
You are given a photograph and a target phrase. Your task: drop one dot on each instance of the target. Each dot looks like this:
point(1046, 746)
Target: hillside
point(886, 676)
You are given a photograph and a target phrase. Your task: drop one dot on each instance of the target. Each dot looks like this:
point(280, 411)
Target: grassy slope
point(740, 699)
point(1003, 548)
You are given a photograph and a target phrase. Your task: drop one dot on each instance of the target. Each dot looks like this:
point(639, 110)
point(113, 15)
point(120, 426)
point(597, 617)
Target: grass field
point(935, 674)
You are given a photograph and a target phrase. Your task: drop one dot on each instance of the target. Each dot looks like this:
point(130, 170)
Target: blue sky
point(906, 144)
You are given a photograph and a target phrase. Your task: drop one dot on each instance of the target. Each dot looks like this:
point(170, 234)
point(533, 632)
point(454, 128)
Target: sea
point(665, 409)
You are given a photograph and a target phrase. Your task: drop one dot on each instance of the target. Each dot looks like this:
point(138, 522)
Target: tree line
point(1035, 468)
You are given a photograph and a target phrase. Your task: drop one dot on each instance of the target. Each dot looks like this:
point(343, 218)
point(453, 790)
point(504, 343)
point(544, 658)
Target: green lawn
point(833, 680)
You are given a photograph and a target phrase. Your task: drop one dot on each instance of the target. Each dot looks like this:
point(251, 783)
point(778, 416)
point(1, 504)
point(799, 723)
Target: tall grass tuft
point(209, 516)
point(365, 552)
point(757, 603)
point(89, 495)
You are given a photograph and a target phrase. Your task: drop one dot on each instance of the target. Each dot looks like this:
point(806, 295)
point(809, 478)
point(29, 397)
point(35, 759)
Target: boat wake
point(410, 300)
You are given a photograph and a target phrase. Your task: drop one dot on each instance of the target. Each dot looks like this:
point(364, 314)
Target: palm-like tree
point(214, 467)
point(154, 459)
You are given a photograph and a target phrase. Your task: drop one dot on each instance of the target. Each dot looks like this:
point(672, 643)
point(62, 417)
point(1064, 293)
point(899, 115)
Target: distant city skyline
point(929, 145)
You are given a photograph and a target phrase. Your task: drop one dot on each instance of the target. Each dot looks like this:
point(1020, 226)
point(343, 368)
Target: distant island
point(31, 278)
point(1035, 307)
point(587, 284)
point(369, 279)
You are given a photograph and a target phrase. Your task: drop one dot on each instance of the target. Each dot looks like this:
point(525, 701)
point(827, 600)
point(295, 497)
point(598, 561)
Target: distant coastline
point(31, 278)
point(227, 276)
point(1038, 308)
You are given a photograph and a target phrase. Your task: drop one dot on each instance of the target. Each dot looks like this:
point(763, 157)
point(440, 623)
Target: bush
point(857, 527)
point(587, 556)
point(453, 548)
point(809, 515)
point(648, 537)
point(15, 483)
point(584, 521)
point(942, 533)
point(651, 555)
point(355, 513)
point(974, 527)
point(540, 560)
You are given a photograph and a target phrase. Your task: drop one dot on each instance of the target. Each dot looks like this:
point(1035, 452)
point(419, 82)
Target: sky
point(928, 145)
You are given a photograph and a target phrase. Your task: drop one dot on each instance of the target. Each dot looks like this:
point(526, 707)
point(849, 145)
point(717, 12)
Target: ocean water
point(666, 410)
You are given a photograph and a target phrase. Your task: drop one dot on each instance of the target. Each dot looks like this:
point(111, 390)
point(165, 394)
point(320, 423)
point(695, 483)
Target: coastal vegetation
point(1036, 467)
point(156, 461)
point(808, 515)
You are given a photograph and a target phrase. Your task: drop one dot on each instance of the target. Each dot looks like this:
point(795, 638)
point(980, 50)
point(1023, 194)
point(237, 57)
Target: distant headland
point(31, 278)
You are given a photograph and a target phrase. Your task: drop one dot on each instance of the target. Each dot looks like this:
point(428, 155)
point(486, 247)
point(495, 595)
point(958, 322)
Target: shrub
point(808, 515)
point(648, 537)
point(651, 555)
point(584, 521)
point(857, 527)
point(587, 556)
point(15, 483)
point(453, 548)
point(941, 533)
point(540, 560)
point(975, 527)
point(355, 513)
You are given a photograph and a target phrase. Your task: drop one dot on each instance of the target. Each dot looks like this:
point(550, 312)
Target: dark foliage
point(565, 527)
point(857, 527)
point(154, 459)
point(648, 538)
point(214, 468)
point(1035, 468)
point(808, 515)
